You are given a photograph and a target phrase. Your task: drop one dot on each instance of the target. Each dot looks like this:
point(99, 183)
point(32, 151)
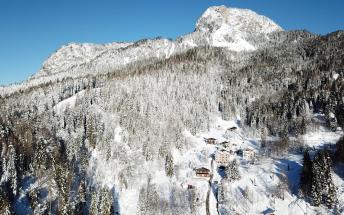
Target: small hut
point(202, 172)
point(232, 128)
point(248, 154)
point(211, 141)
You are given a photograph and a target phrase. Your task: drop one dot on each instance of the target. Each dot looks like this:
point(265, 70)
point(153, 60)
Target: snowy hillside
point(237, 117)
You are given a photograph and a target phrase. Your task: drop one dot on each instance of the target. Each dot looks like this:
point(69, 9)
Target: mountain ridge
point(232, 36)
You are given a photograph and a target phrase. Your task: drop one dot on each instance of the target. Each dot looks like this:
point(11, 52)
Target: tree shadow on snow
point(339, 170)
point(254, 143)
point(116, 205)
point(221, 171)
point(291, 170)
point(22, 204)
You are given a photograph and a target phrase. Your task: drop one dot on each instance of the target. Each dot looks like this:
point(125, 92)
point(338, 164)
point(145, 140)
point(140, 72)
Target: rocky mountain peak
point(233, 27)
point(235, 20)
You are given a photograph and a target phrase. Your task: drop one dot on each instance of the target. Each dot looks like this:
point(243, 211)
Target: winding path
point(207, 207)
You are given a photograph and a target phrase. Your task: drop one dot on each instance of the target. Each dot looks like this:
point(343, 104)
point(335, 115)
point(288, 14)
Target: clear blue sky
point(30, 30)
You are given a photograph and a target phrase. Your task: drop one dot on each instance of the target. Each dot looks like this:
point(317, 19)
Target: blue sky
point(31, 30)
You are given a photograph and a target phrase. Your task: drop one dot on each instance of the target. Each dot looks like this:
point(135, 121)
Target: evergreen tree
point(106, 202)
point(9, 170)
point(33, 199)
point(63, 178)
point(5, 206)
point(12, 170)
point(40, 157)
point(80, 207)
point(303, 126)
point(339, 155)
point(94, 207)
point(232, 171)
point(306, 174)
point(169, 165)
point(91, 134)
point(323, 190)
point(142, 202)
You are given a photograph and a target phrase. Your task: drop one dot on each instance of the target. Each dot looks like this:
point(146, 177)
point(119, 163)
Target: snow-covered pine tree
point(63, 177)
point(80, 207)
point(5, 206)
point(94, 206)
point(323, 190)
point(331, 197)
point(91, 134)
point(33, 199)
point(106, 202)
point(169, 165)
point(306, 174)
point(339, 155)
point(40, 156)
point(12, 169)
point(232, 171)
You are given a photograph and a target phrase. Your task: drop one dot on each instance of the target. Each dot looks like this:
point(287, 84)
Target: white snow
point(335, 76)
point(233, 28)
point(236, 44)
point(237, 19)
point(252, 194)
point(322, 136)
point(67, 103)
point(259, 178)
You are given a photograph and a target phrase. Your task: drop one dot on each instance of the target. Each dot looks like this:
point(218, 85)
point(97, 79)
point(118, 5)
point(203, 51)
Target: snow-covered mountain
point(233, 28)
point(76, 54)
point(236, 117)
point(219, 26)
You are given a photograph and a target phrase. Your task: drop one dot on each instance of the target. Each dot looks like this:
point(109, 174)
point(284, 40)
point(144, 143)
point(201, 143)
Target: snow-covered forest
point(126, 128)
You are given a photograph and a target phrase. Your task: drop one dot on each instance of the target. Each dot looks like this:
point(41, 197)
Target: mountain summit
point(234, 28)
point(235, 20)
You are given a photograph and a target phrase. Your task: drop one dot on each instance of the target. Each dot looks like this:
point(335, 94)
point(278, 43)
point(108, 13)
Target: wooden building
point(202, 172)
point(211, 141)
point(232, 128)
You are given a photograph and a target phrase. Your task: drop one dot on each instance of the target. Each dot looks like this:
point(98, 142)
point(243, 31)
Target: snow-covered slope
point(123, 125)
point(76, 54)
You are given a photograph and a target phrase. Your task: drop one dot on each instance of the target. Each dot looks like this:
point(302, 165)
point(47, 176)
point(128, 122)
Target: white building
point(223, 157)
point(248, 154)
